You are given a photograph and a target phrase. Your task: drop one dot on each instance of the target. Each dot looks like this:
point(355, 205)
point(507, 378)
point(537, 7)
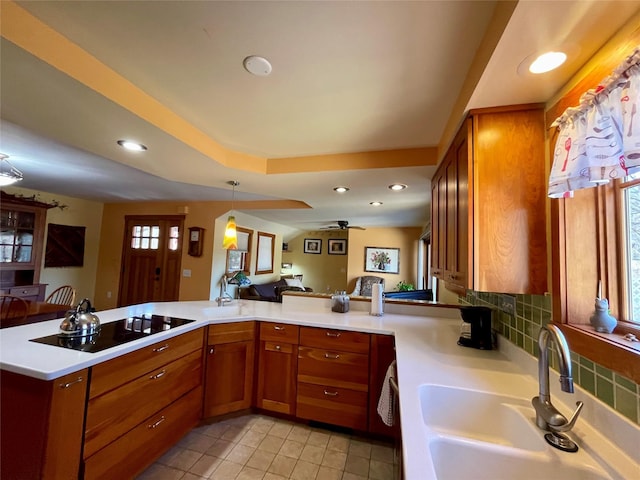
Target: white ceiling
point(347, 77)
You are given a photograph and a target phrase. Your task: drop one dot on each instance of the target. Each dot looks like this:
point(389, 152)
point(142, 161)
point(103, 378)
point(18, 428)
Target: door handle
point(157, 270)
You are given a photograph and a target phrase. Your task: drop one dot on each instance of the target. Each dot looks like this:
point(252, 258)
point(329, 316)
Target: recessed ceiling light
point(396, 187)
point(256, 65)
point(547, 62)
point(341, 189)
point(375, 204)
point(133, 146)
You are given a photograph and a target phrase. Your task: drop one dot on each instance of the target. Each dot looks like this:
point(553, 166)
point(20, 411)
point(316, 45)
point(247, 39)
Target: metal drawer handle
point(330, 394)
point(335, 335)
point(67, 385)
point(158, 375)
point(333, 356)
point(162, 348)
point(155, 425)
point(278, 347)
point(278, 327)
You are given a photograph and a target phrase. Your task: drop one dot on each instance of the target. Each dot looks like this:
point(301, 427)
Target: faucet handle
point(570, 423)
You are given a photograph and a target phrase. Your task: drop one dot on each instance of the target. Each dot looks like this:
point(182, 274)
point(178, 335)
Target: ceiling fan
point(342, 225)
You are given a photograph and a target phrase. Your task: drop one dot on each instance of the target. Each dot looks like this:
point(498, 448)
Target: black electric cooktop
point(115, 333)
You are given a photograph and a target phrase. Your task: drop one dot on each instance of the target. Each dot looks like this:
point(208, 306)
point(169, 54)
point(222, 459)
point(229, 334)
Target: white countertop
point(426, 352)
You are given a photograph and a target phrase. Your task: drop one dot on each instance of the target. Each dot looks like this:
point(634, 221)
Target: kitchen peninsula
point(426, 351)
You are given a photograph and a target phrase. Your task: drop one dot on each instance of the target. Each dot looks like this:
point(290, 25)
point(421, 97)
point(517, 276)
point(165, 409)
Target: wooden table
point(39, 312)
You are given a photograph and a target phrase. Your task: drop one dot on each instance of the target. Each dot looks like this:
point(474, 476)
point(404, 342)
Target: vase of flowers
point(381, 260)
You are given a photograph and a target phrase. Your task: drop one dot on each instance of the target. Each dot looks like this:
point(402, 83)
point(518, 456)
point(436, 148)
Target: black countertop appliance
point(480, 335)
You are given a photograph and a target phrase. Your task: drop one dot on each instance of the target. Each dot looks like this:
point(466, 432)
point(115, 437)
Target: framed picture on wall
point(337, 246)
point(381, 260)
point(313, 245)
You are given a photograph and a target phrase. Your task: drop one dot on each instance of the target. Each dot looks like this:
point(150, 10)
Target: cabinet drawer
point(337, 406)
point(29, 292)
point(109, 375)
point(330, 367)
point(231, 333)
point(279, 332)
point(343, 340)
point(118, 411)
point(133, 452)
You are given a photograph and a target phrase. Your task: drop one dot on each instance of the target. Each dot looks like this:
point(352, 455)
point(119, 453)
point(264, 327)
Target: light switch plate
point(186, 272)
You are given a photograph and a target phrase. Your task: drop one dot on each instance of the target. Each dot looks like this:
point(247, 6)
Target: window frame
point(572, 307)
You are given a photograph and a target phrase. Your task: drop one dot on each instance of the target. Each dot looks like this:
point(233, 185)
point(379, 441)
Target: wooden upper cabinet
point(22, 225)
point(494, 197)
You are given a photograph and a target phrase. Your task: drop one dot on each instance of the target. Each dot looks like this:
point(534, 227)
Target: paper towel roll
point(376, 299)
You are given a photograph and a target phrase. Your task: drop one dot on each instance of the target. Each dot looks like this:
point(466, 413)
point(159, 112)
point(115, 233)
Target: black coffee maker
point(479, 335)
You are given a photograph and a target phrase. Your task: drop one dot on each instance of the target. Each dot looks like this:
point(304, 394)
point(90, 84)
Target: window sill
point(610, 350)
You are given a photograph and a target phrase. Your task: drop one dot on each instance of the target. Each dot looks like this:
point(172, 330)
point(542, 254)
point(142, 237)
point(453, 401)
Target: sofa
point(411, 295)
point(272, 291)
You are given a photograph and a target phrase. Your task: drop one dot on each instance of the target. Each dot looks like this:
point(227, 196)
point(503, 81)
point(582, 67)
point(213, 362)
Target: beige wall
point(406, 239)
point(199, 286)
point(200, 214)
point(322, 272)
point(79, 213)
point(220, 255)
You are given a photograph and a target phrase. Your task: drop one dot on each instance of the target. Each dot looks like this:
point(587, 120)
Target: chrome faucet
point(224, 295)
point(547, 416)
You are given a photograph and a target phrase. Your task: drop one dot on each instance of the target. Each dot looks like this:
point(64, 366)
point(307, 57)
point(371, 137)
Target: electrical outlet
point(508, 304)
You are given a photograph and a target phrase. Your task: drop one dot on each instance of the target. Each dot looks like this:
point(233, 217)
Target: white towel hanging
point(386, 402)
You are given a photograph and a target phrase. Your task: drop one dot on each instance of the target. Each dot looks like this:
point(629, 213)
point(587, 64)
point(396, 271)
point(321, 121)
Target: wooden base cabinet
point(140, 404)
point(230, 365)
point(41, 426)
point(383, 353)
point(130, 454)
point(333, 377)
point(277, 368)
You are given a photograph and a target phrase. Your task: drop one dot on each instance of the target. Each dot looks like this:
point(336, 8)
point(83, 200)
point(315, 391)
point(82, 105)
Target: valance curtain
point(600, 139)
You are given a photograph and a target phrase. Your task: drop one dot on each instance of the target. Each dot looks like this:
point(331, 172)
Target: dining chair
point(65, 295)
point(13, 311)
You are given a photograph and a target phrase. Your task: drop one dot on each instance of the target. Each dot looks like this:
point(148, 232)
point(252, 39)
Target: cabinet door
point(439, 248)
point(229, 378)
point(456, 172)
point(510, 242)
point(277, 377)
point(22, 227)
point(382, 354)
point(462, 218)
point(42, 425)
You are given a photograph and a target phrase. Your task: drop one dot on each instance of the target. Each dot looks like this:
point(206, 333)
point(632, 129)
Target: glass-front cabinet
point(22, 225)
point(16, 236)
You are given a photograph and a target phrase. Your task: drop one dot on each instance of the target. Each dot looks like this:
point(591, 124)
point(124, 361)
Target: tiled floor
point(257, 447)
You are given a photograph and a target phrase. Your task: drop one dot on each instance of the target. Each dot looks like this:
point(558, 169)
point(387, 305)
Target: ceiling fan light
point(341, 189)
point(8, 173)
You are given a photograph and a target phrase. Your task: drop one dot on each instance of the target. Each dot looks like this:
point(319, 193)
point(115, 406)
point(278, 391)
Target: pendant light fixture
point(8, 173)
point(230, 240)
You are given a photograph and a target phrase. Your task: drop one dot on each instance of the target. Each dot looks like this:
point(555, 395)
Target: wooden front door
point(152, 253)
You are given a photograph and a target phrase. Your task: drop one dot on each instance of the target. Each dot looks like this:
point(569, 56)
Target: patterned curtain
point(600, 139)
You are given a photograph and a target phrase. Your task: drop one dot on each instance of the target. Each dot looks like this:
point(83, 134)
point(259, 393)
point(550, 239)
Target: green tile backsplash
point(522, 329)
